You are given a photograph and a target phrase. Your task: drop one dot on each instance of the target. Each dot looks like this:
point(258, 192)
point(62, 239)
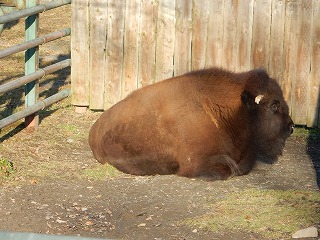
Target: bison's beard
point(268, 150)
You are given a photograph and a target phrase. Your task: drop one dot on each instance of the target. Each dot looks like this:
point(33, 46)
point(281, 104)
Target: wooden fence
point(119, 46)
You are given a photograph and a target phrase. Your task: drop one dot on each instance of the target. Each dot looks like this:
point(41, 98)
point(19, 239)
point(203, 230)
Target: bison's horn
point(258, 99)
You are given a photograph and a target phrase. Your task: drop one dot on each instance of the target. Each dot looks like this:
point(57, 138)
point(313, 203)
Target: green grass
point(100, 172)
point(305, 132)
point(69, 129)
point(270, 213)
point(7, 170)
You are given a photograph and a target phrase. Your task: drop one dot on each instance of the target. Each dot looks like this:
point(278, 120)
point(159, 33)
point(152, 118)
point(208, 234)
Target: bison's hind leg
point(146, 165)
point(218, 167)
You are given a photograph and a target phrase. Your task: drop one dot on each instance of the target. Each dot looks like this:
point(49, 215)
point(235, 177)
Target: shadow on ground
point(313, 150)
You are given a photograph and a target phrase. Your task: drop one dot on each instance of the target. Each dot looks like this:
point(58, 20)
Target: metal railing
point(32, 72)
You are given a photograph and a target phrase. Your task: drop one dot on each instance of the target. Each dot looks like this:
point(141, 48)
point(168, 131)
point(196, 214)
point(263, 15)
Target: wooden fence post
point(114, 51)
point(165, 40)
point(147, 46)
point(200, 33)
point(80, 54)
point(313, 100)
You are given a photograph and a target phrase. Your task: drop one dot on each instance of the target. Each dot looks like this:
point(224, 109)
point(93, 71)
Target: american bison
point(208, 123)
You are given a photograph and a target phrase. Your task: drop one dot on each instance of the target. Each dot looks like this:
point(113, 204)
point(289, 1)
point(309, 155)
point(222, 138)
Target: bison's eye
point(275, 106)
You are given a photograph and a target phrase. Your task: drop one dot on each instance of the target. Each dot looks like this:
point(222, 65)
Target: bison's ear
point(250, 101)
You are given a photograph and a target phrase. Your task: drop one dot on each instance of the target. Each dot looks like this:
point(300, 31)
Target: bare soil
point(55, 186)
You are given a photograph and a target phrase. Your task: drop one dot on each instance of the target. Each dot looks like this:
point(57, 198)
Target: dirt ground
point(53, 184)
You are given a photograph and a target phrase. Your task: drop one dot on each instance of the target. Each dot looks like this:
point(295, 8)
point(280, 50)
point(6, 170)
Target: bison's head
point(268, 114)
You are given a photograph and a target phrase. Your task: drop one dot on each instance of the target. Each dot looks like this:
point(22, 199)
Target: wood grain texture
point(244, 35)
point(115, 52)
point(277, 57)
point(131, 46)
point(147, 46)
point(230, 16)
point(301, 63)
point(261, 34)
point(80, 53)
point(214, 49)
point(290, 45)
point(200, 16)
point(183, 37)
point(313, 98)
point(98, 35)
point(165, 39)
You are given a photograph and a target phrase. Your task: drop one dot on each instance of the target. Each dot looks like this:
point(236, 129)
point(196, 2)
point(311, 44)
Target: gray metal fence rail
point(32, 10)
point(35, 42)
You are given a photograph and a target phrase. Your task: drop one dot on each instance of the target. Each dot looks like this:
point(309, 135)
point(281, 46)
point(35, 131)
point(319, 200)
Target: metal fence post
point(31, 65)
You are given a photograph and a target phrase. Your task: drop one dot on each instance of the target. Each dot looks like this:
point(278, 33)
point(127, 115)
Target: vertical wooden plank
point(244, 35)
point(214, 49)
point(165, 39)
point(131, 39)
point(230, 16)
point(80, 53)
point(261, 34)
point(147, 45)
point(301, 72)
point(277, 57)
point(31, 65)
point(114, 56)
point(183, 37)
point(314, 83)
point(98, 32)
point(291, 18)
point(199, 35)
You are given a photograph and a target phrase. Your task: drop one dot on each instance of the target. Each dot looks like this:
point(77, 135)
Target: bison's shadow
point(313, 149)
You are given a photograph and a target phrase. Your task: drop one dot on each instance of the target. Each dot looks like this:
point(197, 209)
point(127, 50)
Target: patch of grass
point(270, 213)
point(7, 169)
point(100, 172)
point(69, 128)
point(48, 169)
point(305, 132)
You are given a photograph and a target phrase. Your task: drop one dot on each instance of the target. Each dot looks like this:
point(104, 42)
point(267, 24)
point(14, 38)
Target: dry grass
point(274, 214)
point(58, 149)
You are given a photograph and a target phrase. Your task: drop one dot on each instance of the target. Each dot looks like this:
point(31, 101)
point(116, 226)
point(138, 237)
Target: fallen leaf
point(60, 221)
point(149, 218)
point(141, 225)
point(88, 223)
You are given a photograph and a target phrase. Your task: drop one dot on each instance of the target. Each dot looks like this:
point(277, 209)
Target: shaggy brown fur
point(212, 123)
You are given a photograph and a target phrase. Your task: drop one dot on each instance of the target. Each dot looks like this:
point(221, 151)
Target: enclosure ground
point(57, 187)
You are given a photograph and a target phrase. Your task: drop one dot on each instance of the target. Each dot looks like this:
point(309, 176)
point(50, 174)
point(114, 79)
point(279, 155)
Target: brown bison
point(208, 123)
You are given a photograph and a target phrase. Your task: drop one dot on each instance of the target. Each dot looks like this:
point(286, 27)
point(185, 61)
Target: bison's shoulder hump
point(259, 73)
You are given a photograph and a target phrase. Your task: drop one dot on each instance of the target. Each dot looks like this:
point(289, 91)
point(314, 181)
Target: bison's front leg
point(246, 163)
point(218, 167)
